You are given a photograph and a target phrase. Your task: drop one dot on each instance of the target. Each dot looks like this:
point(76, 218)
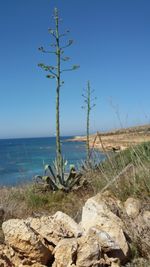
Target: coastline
point(117, 140)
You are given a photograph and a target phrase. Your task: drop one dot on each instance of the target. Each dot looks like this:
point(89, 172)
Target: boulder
point(25, 241)
point(102, 205)
point(113, 203)
point(97, 213)
point(106, 243)
point(132, 207)
point(65, 253)
point(4, 259)
point(10, 258)
point(89, 251)
point(56, 227)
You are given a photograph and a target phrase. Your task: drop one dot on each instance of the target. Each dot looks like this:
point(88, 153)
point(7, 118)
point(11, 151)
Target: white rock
point(22, 239)
point(89, 251)
point(104, 240)
point(65, 253)
point(56, 227)
point(96, 213)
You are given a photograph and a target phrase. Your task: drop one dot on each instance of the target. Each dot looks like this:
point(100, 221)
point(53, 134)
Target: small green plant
point(54, 181)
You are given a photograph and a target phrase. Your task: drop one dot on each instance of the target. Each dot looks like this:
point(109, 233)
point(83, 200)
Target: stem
point(58, 145)
point(88, 122)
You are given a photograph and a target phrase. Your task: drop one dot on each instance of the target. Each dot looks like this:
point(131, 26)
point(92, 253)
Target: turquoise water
point(21, 159)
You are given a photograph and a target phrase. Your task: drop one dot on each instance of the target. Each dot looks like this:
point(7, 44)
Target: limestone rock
point(4, 260)
point(66, 253)
point(132, 207)
point(106, 243)
point(89, 251)
point(8, 257)
point(56, 227)
point(24, 240)
point(97, 213)
point(112, 203)
point(99, 206)
point(68, 222)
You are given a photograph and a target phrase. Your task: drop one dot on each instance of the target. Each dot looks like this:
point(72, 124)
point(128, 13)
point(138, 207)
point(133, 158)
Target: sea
point(22, 159)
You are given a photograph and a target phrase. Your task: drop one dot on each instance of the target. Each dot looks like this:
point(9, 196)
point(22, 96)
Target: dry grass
point(21, 202)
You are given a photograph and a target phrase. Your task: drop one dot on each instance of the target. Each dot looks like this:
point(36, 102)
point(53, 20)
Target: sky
point(112, 47)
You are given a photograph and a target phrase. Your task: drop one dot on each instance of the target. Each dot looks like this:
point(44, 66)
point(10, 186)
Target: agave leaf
point(59, 180)
point(74, 181)
point(46, 167)
point(55, 166)
point(49, 171)
point(53, 184)
point(63, 167)
point(46, 179)
point(37, 178)
point(62, 187)
point(71, 176)
point(72, 166)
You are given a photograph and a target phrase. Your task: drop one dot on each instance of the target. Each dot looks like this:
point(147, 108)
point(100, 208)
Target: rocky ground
point(119, 139)
point(110, 233)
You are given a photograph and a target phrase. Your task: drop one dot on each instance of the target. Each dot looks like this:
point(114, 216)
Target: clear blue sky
point(112, 47)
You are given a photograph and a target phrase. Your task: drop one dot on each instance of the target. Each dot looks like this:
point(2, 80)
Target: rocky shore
point(117, 140)
point(110, 233)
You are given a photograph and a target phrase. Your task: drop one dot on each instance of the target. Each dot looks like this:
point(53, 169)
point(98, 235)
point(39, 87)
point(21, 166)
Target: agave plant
point(55, 181)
